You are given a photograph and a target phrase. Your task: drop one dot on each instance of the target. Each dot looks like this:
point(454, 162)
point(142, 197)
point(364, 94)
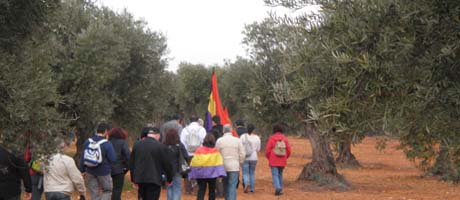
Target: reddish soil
point(386, 175)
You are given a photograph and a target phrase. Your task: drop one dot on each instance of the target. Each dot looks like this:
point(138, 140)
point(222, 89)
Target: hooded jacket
point(274, 160)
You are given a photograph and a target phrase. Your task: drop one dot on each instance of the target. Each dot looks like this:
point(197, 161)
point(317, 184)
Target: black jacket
point(241, 130)
point(122, 151)
point(148, 160)
point(217, 131)
point(175, 151)
point(13, 169)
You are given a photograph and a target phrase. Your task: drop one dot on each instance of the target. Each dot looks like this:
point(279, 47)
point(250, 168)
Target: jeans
point(149, 191)
point(174, 190)
point(211, 182)
point(118, 181)
point(277, 177)
point(37, 186)
point(98, 184)
point(230, 182)
point(56, 196)
point(249, 168)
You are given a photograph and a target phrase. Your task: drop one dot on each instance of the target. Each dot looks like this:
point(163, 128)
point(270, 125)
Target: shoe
point(246, 188)
point(278, 192)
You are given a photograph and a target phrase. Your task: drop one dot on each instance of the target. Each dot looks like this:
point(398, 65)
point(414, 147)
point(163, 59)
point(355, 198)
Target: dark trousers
point(37, 186)
point(10, 198)
point(219, 188)
point(211, 182)
point(149, 191)
point(117, 181)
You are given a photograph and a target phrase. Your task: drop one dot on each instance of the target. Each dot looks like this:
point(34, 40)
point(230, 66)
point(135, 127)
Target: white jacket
point(255, 143)
point(186, 131)
point(232, 151)
point(62, 175)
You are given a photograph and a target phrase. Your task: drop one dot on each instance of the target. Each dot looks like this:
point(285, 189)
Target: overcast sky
point(198, 31)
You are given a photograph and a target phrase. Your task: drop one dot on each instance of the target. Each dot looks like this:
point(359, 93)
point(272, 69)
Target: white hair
point(227, 128)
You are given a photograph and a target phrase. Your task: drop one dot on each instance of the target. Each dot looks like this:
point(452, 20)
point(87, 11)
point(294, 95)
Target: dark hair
point(145, 131)
point(251, 128)
point(279, 127)
point(118, 133)
point(193, 118)
point(239, 122)
point(209, 140)
point(171, 137)
point(175, 117)
point(216, 119)
point(102, 127)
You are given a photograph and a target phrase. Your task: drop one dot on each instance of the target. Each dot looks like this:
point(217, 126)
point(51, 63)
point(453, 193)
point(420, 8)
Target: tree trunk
point(322, 168)
point(443, 164)
point(82, 134)
point(345, 158)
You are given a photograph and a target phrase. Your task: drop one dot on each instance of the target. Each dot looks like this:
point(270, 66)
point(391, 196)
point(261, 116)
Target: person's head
point(145, 131)
point(239, 122)
point(103, 128)
point(118, 133)
point(200, 122)
point(279, 127)
point(172, 137)
point(193, 118)
point(154, 132)
point(209, 140)
point(251, 128)
point(227, 128)
point(61, 144)
point(176, 117)
point(215, 120)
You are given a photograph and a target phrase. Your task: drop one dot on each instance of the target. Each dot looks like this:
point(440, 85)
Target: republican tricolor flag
point(215, 106)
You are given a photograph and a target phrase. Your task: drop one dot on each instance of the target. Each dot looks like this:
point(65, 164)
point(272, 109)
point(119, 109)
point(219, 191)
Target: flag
point(215, 106)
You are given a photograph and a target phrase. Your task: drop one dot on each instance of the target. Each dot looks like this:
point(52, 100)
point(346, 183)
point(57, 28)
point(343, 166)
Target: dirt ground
point(384, 175)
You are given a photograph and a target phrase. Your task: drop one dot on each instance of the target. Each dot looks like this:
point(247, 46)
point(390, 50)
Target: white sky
point(197, 31)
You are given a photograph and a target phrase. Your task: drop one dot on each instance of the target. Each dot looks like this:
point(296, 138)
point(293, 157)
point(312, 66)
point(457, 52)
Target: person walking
point(178, 155)
point(217, 131)
point(277, 152)
point(252, 141)
point(175, 123)
point(206, 166)
point(36, 174)
point(95, 164)
point(192, 137)
point(117, 136)
point(233, 153)
point(149, 159)
point(13, 170)
point(61, 177)
point(240, 129)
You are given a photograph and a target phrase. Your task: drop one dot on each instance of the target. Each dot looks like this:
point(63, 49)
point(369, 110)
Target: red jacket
point(274, 160)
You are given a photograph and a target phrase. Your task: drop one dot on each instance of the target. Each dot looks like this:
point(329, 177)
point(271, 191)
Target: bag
point(184, 168)
point(193, 140)
point(280, 148)
point(35, 166)
point(92, 155)
point(247, 145)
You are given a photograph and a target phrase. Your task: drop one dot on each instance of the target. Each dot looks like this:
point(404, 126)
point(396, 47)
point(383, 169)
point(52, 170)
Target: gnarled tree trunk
point(322, 168)
point(345, 158)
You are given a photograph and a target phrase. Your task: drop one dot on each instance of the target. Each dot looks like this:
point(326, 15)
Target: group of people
point(160, 158)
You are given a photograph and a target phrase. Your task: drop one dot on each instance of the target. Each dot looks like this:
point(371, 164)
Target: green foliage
point(28, 98)
point(367, 64)
point(193, 88)
point(21, 18)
